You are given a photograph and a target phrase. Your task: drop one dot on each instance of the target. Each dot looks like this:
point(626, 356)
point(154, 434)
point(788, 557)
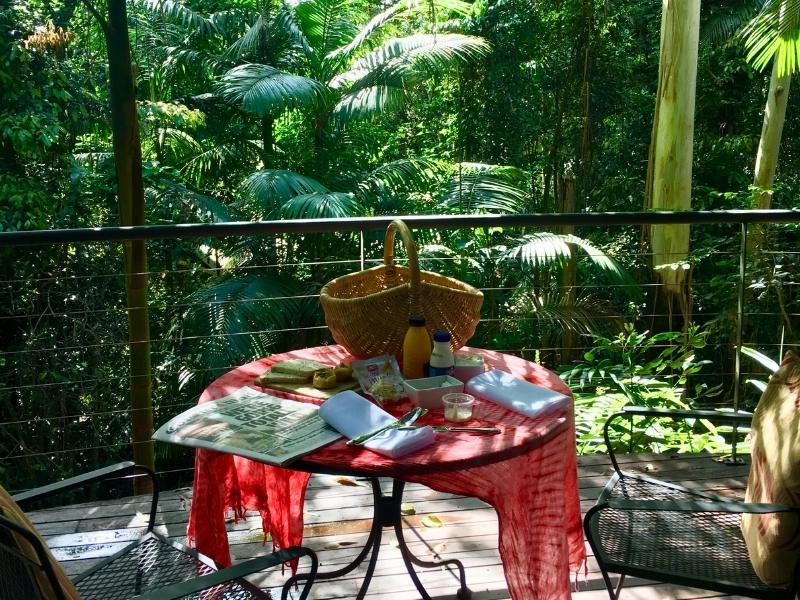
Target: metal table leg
point(386, 513)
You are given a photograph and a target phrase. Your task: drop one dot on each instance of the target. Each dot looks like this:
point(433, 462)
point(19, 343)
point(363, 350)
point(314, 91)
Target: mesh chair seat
point(151, 567)
point(693, 548)
point(150, 564)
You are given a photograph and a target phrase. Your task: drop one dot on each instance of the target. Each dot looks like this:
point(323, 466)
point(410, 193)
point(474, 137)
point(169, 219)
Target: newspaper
point(251, 424)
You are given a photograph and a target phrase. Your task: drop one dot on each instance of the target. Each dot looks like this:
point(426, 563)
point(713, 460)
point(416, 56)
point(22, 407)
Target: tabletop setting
point(401, 396)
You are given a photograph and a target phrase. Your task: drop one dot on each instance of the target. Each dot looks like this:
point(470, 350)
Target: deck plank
point(338, 519)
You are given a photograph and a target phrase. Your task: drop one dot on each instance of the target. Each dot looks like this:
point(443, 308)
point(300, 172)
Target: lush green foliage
point(268, 109)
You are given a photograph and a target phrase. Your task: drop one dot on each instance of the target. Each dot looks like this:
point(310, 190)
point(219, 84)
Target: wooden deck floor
point(338, 518)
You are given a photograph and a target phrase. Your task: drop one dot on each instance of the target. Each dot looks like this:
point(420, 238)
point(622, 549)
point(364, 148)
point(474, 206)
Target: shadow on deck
point(337, 518)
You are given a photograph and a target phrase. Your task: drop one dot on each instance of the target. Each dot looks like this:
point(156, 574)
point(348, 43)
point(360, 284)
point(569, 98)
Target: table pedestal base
point(386, 513)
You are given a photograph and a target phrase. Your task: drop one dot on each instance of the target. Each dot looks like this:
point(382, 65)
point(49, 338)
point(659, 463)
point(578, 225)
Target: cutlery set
point(405, 423)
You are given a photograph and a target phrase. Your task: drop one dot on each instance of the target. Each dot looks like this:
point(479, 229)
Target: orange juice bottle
point(416, 348)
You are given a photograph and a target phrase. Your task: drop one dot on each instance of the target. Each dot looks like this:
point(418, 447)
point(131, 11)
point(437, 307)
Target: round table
point(527, 473)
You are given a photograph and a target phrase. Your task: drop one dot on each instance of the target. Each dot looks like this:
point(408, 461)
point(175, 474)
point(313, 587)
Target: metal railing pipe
point(244, 228)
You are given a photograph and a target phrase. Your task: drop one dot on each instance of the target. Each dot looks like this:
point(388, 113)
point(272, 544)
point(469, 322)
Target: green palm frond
point(404, 175)
point(265, 91)
point(775, 33)
point(328, 24)
point(237, 320)
point(368, 102)
point(274, 187)
point(375, 23)
point(474, 190)
point(268, 40)
point(555, 309)
point(205, 208)
point(434, 53)
point(726, 19)
point(543, 248)
point(178, 11)
point(220, 157)
point(330, 205)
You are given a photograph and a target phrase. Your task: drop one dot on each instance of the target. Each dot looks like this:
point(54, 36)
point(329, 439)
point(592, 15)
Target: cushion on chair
point(11, 511)
point(773, 540)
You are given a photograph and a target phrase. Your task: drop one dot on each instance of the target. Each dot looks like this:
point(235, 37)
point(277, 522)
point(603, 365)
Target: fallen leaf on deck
point(348, 481)
point(407, 508)
point(432, 521)
point(438, 549)
point(334, 545)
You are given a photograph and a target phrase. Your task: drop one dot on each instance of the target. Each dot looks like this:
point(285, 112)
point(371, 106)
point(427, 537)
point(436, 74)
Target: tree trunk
point(669, 172)
point(770, 142)
point(568, 275)
point(267, 140)
point(128, 160)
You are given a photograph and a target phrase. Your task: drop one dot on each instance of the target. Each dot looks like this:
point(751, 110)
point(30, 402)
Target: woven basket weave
point(367, 312)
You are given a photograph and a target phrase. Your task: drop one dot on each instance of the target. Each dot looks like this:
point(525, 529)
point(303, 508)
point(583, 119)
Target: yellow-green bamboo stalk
point(669, 176)
point(770, 142)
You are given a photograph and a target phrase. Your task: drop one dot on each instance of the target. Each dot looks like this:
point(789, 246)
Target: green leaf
point(272, 188)
point(431, 521)
point(762, 359)
point(775, 34)
point(330, 205)
point(265, 91)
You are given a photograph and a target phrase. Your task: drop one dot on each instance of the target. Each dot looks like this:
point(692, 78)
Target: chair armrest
point(736, 418)
point(733, 418)
point(193, 586)
point(696, 506)
point(118, 470)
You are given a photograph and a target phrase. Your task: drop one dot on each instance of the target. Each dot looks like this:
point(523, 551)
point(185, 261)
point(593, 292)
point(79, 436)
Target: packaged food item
point(380, 377)
point(467, 366)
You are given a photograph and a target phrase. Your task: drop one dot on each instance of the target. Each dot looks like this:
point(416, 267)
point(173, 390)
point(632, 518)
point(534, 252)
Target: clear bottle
point(442, 361)
point(416, 348)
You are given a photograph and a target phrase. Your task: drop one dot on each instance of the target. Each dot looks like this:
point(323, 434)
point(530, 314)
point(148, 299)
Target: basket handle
point(413, 260)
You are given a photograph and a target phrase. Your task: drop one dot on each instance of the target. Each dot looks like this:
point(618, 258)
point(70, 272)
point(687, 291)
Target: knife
point(491, 430)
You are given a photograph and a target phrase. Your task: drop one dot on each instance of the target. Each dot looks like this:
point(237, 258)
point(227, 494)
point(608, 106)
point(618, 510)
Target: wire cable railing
point(63, 318)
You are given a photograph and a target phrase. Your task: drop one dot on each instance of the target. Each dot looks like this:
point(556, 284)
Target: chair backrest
point(773, 540)
point(27, 569)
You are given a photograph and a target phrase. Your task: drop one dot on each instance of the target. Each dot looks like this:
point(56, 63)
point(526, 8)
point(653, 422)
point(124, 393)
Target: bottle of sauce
point(416, 348)
point(442, 361)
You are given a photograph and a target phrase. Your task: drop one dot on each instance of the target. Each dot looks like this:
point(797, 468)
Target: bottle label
point(434, 371)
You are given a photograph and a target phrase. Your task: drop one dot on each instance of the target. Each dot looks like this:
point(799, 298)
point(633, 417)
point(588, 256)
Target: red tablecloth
point(532, 486)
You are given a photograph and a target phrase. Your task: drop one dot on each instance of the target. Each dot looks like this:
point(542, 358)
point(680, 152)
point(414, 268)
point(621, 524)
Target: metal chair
point(151, 568)
point(648, 528)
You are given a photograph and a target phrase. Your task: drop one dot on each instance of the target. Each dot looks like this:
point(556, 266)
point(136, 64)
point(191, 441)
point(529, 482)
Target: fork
point(403, 422)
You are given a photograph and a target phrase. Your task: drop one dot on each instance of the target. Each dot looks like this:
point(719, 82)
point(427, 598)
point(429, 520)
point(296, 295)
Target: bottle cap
point(416, 321)
point(441, 336)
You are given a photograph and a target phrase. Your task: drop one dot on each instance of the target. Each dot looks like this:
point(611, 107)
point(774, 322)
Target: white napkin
point(352, 415)
point(515, 394)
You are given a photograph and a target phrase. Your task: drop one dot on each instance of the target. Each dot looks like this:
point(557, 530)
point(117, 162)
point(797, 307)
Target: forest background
point(261, 109)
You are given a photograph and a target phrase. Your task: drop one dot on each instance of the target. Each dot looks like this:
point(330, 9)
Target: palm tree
point(349, 72)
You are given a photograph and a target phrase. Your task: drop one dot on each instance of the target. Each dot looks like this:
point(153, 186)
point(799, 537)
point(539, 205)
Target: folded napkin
point(353, 415)
point(515, 394)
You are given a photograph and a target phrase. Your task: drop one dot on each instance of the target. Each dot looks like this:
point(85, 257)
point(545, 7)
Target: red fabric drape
point(528, 473)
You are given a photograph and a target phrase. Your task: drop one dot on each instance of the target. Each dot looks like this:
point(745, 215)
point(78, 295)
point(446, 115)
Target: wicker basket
point(367, 312)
